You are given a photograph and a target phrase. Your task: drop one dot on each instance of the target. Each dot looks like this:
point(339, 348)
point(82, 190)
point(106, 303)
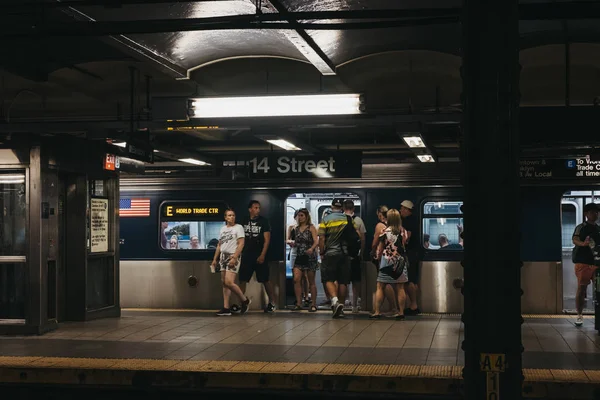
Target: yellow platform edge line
point(264, 367)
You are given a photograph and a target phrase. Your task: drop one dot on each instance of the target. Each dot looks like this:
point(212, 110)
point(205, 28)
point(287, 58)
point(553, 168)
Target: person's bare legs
point(411, 291)
point(313, 287)
point(401, 298)
point(270, 292)
point(298, 278)
point(229, 282)
point(379, 296)
point(390, 296)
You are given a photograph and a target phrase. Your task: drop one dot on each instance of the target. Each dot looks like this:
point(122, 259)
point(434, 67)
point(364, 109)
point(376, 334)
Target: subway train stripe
point(351, 378)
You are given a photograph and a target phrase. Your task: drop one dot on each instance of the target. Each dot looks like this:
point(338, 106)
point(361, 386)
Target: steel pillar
point(490, 150)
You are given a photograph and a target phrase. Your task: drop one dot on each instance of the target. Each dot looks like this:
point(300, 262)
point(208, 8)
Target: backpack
point(351, 238)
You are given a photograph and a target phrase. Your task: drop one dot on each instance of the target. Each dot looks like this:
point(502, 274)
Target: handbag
point(394, 269)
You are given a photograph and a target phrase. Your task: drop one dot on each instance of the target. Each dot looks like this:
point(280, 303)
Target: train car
point(161, 267)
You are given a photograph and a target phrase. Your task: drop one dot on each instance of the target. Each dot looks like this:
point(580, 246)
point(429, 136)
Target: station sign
point(324, 166)
point(575, 169)
point(192, 211)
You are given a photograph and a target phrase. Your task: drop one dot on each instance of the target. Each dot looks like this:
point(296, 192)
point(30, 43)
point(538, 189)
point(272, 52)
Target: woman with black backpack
point(392, 265)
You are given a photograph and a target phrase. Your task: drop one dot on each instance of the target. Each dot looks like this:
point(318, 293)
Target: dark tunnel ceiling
point(188, 50)
point(192, 49)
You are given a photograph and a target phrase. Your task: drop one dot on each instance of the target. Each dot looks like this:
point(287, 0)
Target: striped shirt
point(332, 229)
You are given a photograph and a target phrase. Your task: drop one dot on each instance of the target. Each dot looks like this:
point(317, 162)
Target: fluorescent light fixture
point(284, 144)
point(414, 141)
point(276, 106)
point(426, 158)
point(193, 161)
point(12, 179)
point(119, 144)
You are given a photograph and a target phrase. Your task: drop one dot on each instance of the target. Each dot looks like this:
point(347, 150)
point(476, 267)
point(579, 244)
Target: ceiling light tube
point(193, 161)
point(120, 144)
point(284, 144)
point(414, 141)
point(426, 158)
point(276, 106)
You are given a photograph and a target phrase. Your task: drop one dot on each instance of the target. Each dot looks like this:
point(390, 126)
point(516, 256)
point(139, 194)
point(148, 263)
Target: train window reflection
point(443, 225)
point(190, 235)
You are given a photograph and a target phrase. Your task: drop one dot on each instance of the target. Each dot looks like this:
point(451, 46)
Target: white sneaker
point(579, 320)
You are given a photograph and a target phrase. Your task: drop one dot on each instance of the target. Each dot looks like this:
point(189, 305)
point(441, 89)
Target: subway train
point(169, 226)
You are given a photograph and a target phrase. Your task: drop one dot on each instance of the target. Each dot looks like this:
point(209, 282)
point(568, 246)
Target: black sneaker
point(245, 305)
point(224, 312)
point(410, 311)
point(338, 310)
point(236, 309)
point(270, 308)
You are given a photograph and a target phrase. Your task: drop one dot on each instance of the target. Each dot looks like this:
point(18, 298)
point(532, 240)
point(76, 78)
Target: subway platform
point(292, 351)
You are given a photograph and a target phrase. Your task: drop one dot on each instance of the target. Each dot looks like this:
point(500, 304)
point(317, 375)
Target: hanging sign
point(290, 165)
point(576, 169)
point(99, 225)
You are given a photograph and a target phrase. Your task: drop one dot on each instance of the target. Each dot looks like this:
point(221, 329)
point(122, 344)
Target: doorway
point(572, 215)
point(318, 205)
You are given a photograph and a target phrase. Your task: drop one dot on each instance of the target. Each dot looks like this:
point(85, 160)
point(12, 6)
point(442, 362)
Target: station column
point(490, 155)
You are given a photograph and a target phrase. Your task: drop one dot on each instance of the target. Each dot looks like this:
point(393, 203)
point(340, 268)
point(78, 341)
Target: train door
point(318, 204)
point(571, 215)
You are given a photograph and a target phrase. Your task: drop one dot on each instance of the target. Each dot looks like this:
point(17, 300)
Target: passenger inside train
point(586, 239)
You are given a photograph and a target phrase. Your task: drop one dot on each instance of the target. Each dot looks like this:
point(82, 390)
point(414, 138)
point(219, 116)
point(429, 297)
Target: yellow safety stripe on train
point(416, 379)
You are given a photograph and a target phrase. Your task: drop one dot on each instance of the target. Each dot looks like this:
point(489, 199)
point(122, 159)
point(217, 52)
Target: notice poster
point(99, 225)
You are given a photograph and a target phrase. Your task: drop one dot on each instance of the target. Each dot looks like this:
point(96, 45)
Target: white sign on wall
point(99, 225)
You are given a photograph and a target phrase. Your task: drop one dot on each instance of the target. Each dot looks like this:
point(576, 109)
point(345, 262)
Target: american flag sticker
point(134, 207)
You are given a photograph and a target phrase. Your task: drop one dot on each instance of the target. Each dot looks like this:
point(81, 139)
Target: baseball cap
point(590, 207)
point(408, 204)
point(336, 202)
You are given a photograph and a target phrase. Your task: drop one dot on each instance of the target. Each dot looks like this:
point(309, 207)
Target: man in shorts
point(585, 238)
point(258, 237)
point(227, 261)
point(335, 263)
point(412, 253)
point(356, 262)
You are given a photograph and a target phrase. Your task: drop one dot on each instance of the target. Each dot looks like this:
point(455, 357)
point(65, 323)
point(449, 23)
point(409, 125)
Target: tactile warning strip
point(424, 379)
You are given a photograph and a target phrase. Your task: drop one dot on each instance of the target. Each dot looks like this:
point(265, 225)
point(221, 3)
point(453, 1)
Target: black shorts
point(413, 269)
point(355, 269)
point(250, 266)
point(336, 268)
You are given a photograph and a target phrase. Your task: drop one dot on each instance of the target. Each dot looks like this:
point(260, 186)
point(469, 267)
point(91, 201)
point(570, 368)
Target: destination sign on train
point(338, 165)
point(582, 168)
point(189, 210)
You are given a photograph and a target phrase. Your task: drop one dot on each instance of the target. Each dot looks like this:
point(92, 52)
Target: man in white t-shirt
point(227, 260)
point(356, 262)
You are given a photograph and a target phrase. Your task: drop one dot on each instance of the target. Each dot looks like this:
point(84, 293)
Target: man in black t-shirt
point(585, 238)
point(258, 237)
point(412, 253)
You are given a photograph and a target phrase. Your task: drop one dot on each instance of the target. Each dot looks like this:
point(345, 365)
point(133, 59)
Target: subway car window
point(190, 225)
point(443, 225)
